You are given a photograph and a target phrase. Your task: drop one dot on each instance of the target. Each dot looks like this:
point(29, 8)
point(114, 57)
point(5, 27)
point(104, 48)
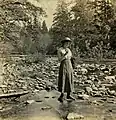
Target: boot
point(60, 99)
point(69, 97)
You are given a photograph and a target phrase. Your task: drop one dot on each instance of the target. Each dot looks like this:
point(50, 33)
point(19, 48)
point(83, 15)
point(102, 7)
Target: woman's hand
point(66, 51)
point(63, 56)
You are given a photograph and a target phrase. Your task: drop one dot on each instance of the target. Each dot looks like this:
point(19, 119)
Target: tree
point(44, 27)
point(103, 13)
point(60, 27)
point(19, 23)
point(112, 34)
point(82, 29)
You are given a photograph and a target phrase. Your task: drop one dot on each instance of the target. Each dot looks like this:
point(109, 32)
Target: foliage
point(44, 27)
point(103, 13)
point(20, 25)
point(88, 23)
point(61, 24)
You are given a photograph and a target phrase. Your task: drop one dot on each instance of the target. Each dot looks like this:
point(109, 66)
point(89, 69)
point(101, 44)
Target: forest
point(91, 24)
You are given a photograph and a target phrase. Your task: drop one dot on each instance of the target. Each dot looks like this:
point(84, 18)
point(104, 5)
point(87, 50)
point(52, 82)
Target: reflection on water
point(81, 107)
point(33, 118)
point(88, 111)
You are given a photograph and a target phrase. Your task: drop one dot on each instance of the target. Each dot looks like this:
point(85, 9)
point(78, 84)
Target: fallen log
point(17, 94)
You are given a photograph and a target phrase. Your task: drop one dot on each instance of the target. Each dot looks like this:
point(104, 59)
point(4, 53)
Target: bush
point(35, 58)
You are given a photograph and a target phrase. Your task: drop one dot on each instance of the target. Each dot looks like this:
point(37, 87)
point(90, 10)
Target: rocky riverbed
point(95, 89)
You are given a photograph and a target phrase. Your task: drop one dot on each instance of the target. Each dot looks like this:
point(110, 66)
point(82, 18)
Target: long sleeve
point(64, 54)
point(61, 55)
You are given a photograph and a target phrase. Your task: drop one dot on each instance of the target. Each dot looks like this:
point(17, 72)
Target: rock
point(46, 108)
point(88, 90)
point(84, 71)
point(113, 102)
point(37, 87)
point(30, 101)
point(41, 87)
point(95, 102)
point(52, 72)
point(48, 83)
point(83, 97)
point(54, 87)
point(103, 67)
point(11, 91)
point(112, 92)
point(91, 66)
point(97, 94)
point(94, 88)
point(1, 108)
point(101, 74)
point(96, 81)
point(106, 72)
point(3, 86)
point(72, 116)
point(110, 78)
point(102, 89)
point(47, 88)
point(36, 91)
point(80, 91)
point(6, 109)
point(104, 99)
point(100, 101)
point(24, 87)
point(89, 82)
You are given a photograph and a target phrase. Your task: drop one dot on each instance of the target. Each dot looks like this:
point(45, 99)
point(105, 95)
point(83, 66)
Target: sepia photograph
point(57, 59)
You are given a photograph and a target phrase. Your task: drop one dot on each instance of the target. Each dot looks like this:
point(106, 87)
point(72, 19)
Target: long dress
point(65, 78)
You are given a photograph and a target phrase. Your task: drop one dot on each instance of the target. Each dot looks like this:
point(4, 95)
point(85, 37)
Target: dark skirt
point(65, 79)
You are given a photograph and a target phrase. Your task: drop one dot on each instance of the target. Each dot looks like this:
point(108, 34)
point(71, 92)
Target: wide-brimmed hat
point(66, 39)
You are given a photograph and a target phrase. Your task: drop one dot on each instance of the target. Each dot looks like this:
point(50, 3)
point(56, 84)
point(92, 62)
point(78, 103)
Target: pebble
point(1, 107)
point(88, 89)
point(102, 89)
point(30, 101)
point(104, 99)
point(46, 108)
point(94, 88)
point(72, 116)
point(95, 102)
point(83, 97)
point(89, 82)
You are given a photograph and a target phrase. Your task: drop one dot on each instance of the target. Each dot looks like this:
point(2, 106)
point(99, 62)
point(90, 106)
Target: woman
point(65, 79)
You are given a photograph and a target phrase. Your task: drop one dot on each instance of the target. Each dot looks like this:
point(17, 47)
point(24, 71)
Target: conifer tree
point(44, 27)
point(60, 27)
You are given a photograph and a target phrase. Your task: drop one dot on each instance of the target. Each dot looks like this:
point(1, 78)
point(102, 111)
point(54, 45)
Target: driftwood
point(17, 94)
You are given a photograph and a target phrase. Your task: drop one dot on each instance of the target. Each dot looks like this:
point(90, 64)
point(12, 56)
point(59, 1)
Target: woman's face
point(66, 44)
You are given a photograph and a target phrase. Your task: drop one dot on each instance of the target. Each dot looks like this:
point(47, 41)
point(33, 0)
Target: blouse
point(64, 54)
